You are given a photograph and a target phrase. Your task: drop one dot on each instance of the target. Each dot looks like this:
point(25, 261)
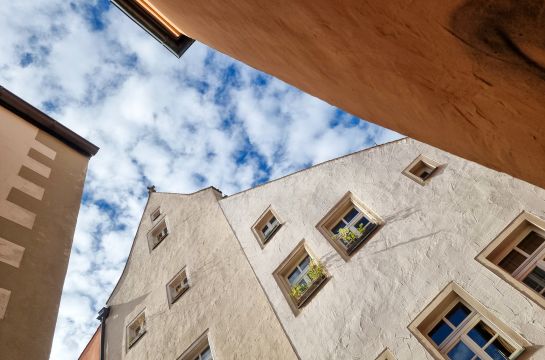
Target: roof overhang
point(44, 122)
point(149, 22)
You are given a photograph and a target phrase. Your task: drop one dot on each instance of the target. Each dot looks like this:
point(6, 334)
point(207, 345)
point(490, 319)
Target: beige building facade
point(401, 251)
point(42, 171)
point(466, 76)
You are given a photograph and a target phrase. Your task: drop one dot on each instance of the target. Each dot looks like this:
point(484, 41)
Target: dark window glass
point(530, 243)
point(364, 221)
point(273, 220)
point(481, 334)
point(458, 314)
point(424, 175)
point(265, 228)
point(512, 261)
point(536, 279)
point(304, 264)
point(351, 214)
point(499, 349)
point(440, 332)
point(338, 227)
point(461, 352)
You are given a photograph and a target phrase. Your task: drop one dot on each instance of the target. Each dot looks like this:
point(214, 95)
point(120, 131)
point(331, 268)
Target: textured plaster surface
point(224, 295)
point(431, 237)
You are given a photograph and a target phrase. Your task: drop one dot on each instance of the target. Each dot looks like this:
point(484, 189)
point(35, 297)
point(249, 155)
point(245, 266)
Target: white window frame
point(337, 213)
point(272, 226)
point(507, 240)
point(160, 229)
point(263, 220)
point(131, 336)
point(171, 290)
point(460, 333)
point(442, 304)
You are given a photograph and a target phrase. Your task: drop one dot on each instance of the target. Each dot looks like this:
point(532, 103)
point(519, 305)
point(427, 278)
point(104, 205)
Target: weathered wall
point(41, 182)
point(431, 236)
point(466, 76)
point(224, 296)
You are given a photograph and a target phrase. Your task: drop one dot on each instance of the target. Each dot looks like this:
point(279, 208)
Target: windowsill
point(179, 295)
point(137, 339)
point(271, 234)
point(351, 248)
point(310, 291)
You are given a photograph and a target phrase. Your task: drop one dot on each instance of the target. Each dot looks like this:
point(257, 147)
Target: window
point(157, 234)
point(266, 226)
point(348, 225)
point(421, 169)
point(177, 286)
point(518, 256)
point(136, 329)
point(457, 327)
point(155, 214)
point(386, 355)
point(300, 276)
point(199, 350)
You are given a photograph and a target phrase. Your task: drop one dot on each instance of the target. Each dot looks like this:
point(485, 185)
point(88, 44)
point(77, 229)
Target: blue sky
point(181, 124)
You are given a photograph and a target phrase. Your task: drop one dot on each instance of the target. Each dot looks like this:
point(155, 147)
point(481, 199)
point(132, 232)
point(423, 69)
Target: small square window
point(155, 214)
point(518, 256)
point(266, 226)
point(421, 169)
point(348, 224)
point(199, 350)
point(177, 286)
point(300, 276)
point(456, 326)
point(136, 329)
point(157, 234)
point(386, 355)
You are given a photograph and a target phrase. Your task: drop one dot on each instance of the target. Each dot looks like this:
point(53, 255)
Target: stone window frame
point(194, 351)
point(132, 340)
point(263, 219)
point(506, 241)
point(155, 214)
point(337, 212)
point(386, 354)
point(421, 159)
point(287, 266)
point(183, 277)
point(152, 234)
point(442, 304)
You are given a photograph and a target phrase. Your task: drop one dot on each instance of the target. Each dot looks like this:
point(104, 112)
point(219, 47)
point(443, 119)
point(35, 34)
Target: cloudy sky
point(181, 124)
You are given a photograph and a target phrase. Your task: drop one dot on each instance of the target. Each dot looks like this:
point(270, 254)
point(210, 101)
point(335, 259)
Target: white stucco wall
point(224, 296)
point(431, 237)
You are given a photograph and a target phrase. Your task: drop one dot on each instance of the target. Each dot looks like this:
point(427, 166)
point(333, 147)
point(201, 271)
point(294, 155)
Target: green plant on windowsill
point(347, 236)
point(316, 272)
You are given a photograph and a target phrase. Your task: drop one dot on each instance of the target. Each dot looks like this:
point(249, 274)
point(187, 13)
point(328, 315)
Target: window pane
point(481, 334)
point(530, 243)
point(363, 221)
point(500, 349)
point(351, 214)
point(304, 264)
point(272, 221)
point(292, 278)
point(461, 352)
point(338, 227)
point(536, 279)
point(458, 314)
point(265, 228)
point(512, 261)
point(440, 332)
point(206, 354)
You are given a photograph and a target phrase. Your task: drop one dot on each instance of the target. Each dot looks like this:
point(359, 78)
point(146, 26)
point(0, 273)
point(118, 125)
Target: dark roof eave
point(176, 45)
point(46, 123)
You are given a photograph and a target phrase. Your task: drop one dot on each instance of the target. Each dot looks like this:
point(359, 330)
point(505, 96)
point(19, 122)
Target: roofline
point(46, 123)
point(176, 45)
point(320, 164)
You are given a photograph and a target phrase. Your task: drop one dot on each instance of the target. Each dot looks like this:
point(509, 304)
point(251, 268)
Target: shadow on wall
point(511, 31)
point(115, 326)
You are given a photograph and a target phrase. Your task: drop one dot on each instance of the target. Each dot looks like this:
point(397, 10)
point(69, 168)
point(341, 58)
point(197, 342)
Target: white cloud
point(181, 124)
